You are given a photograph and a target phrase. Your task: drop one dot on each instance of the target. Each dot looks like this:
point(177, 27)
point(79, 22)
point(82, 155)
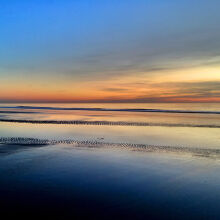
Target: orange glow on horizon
point(189, 85)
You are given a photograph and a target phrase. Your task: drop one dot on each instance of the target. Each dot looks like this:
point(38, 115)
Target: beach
point(109, 171)
point(110, 109)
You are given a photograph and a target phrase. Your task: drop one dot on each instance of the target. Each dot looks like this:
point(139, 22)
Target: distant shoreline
point(110, 109)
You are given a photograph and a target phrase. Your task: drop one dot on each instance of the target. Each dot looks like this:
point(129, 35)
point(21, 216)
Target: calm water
point(170, 129)
point(89, 180)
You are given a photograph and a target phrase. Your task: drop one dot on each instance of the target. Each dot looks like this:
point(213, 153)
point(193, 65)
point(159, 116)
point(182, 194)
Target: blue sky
point(99, 40)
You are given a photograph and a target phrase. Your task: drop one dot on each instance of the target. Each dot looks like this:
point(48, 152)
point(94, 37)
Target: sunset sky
point(110, 50)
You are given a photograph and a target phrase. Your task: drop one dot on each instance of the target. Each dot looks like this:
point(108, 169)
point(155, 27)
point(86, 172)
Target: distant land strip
point(111, 109)
point(110, 123)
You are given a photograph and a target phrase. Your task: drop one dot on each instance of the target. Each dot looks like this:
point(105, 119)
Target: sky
point(109, 51)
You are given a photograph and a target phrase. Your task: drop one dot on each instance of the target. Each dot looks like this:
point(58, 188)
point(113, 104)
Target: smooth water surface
point(104, 172)
point(108, 183)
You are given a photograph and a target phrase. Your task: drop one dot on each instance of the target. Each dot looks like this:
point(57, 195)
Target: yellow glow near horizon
point(169, 86)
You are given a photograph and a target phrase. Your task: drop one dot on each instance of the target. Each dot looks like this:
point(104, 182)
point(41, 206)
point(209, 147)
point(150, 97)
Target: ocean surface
point(105, 161)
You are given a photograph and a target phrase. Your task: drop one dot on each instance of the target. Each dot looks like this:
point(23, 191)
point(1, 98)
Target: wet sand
point(9, 143)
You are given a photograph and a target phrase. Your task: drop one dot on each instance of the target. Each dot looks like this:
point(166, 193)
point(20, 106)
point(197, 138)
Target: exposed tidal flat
point(11, 142)
point(102, 169)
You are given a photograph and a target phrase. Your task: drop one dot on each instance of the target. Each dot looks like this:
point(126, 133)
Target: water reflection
point(7, 149)
point(113, 182)
point(105, 184)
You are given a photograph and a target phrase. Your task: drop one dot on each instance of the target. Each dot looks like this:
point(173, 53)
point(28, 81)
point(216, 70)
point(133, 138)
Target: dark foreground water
point(96, 183)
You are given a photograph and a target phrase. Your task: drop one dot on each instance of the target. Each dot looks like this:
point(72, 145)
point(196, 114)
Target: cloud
point(115, 89)
point(165, 91)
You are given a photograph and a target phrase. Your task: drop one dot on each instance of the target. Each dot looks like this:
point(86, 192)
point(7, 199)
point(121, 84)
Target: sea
point(110, 160)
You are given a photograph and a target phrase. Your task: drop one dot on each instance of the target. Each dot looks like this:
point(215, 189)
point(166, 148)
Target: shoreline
point(109, 123)
point(193, 151)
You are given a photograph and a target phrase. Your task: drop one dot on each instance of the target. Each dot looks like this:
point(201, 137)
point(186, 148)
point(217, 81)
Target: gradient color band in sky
point(110, 51)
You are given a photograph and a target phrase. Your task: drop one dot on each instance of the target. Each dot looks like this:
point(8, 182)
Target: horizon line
point(97, 102)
